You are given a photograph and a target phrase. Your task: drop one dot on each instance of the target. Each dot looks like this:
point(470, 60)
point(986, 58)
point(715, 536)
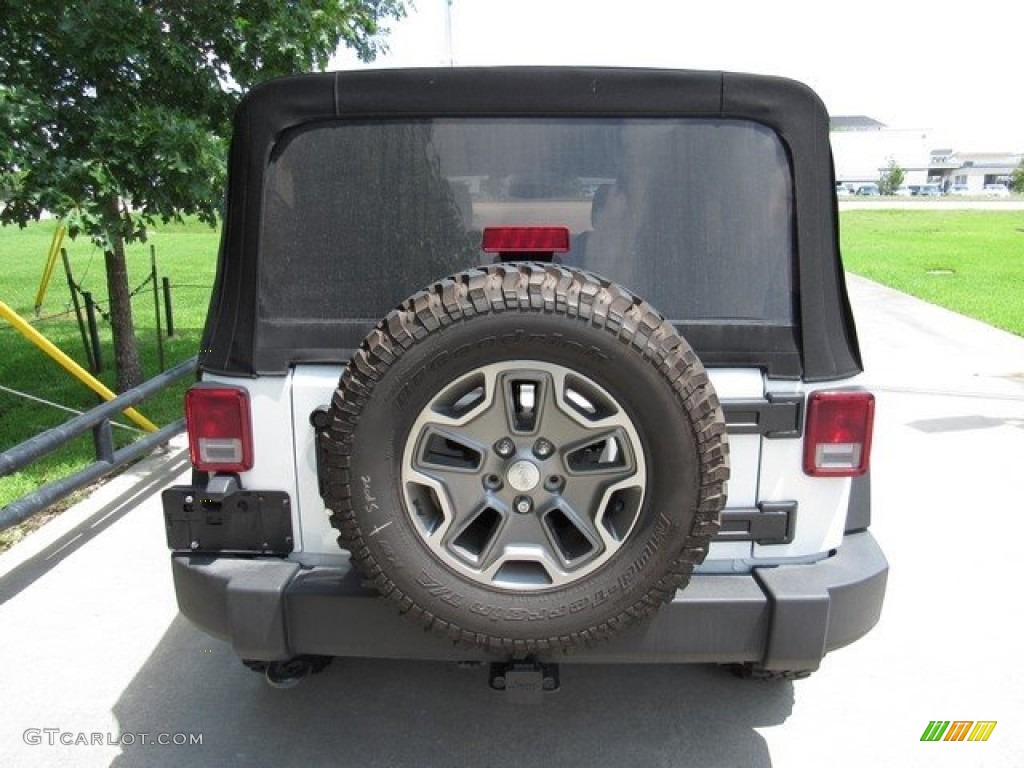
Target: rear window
point(693, 215)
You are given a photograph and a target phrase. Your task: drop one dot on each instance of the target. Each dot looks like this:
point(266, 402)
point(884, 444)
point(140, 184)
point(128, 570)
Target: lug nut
point(505, 447)
point(492, 482)
point(523, 504)
point(554, 483)
point(543, 448)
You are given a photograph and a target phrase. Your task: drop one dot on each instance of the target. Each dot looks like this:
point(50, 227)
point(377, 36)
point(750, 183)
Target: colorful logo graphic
point(958, 730)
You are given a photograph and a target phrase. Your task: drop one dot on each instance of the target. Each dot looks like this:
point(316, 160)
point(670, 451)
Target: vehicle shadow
point(172, 462)
point(369, 713)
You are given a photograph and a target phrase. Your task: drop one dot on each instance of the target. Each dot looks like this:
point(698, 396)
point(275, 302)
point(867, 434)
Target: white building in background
point(862, 148)
point(971, 172)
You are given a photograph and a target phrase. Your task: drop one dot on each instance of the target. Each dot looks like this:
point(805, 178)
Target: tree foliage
point(891, 178)
point(114, 114)
point(1017, 178)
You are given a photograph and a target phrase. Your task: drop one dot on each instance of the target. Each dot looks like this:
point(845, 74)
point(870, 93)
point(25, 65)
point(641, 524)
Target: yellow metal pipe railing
point(69, 365)
point(51, 261)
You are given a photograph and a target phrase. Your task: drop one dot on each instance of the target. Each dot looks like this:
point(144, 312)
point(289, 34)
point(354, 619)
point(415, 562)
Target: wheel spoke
point(574, 537)
point(606, 453)
point(460, 493)
point(478, 536)
point(484, 422)
point(442, 448)
point(520, 538)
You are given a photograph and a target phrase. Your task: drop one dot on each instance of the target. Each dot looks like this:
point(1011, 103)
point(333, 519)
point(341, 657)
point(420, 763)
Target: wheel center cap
point(523, 476)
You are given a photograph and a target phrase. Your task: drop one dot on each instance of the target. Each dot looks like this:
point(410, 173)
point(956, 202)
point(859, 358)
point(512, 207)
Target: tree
point(891, 179)
point(1017, 178)
point(114, 113)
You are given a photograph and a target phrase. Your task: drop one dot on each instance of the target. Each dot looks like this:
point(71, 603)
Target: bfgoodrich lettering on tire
point(526, 458)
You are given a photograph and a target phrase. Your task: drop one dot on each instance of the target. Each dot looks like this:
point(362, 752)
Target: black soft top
point(823, 345)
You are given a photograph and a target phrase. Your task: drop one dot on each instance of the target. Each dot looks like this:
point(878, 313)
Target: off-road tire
point(754, 671)
point(551, 316)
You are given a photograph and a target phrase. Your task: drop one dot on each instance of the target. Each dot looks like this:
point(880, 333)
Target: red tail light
point(219, 428)
point(525, 240)
point(838, 438)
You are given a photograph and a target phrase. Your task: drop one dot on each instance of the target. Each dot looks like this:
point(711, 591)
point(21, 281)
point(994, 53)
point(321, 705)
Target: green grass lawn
point(186, 253)
point(971, 262)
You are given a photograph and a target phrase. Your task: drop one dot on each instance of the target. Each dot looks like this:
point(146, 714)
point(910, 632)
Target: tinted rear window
point(693, 215)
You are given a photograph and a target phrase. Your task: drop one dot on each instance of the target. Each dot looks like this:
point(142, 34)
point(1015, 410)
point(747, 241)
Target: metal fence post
point(78, 310)
point(94, 334)
point(156, 304)
point(103, 441)
point(168, 310)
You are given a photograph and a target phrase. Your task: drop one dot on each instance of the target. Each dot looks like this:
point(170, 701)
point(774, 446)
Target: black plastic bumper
point(786, 617)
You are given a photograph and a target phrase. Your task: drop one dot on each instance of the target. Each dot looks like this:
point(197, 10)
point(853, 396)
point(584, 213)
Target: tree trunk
point(126, 351)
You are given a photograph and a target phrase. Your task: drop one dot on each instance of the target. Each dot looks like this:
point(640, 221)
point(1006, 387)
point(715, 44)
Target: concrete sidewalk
point(910, 345)
point(83, 603)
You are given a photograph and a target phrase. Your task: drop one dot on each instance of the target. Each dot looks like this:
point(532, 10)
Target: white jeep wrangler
point(489, 343)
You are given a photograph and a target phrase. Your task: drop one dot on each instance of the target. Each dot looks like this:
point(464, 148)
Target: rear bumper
point(786, 617)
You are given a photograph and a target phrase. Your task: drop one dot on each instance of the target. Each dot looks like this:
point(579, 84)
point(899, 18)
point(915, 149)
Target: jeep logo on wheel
point(523, 476)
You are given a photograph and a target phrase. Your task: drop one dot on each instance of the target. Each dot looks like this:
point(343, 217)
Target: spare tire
point(525, 457)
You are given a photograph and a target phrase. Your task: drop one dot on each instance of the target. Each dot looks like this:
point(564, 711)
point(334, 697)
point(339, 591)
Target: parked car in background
point(959, 190)
point(995, 190)
point(928, 190)
point(868, 190)
point(903, 191)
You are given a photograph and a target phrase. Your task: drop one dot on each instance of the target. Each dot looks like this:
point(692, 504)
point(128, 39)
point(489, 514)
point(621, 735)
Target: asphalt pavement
point(98, 667)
